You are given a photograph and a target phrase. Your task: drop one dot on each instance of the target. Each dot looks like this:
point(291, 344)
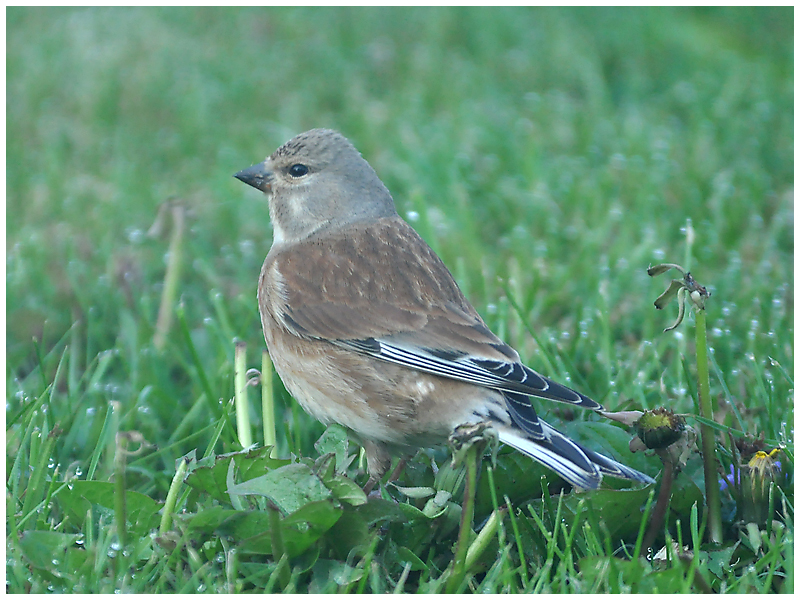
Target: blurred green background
point(546, 154)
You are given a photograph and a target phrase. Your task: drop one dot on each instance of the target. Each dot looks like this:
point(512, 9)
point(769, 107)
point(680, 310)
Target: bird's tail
point(581, 467)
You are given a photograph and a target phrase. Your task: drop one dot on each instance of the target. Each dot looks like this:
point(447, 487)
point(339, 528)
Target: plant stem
point(120, 507)
point(278, 549)
point(171, 277)
point(240, 394)
point(172, 498)
point(706, 433)
point(481, 542)
point(662, 503)
point(216, 410)
point(267, 403)
point(467, 510)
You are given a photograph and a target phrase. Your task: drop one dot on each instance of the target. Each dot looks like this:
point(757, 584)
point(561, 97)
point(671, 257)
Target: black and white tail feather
point(579, 466)
point(524, 430)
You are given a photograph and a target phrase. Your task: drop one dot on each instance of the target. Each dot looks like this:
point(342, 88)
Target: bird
point(367, 327)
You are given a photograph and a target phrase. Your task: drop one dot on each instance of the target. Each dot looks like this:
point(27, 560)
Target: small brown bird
point(367, 328)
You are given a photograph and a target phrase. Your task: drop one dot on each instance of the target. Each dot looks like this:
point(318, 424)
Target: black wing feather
point(506, 376)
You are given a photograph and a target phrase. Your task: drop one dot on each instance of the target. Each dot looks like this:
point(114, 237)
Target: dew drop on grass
point(247, 247)
point(520, 232)
point(532, 98)
point(583, 325)
point(134, 235)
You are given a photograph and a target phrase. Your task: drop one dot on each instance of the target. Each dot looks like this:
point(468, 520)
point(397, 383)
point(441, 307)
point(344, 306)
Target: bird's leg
point(370, 484)
point(398, 470)
point(378, 462)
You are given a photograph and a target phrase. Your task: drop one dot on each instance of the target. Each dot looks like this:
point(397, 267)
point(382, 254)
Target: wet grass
point(548, 155)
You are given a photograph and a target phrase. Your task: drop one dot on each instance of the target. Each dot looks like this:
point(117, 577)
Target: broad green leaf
point(620, 510)
point(289, 487)
point(250, 529)
point(211, 519)
point(80, 495)
point(335, 440)
point(210, 474)
point(330, 575)
point(346, 490)
point(45, 549)
point(377, 510)
point(350, 531)
point(415, 492)
point(406, 555)
point(437, 505)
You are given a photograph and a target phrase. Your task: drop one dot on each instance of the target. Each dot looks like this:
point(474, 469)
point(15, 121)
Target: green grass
point(548, 155)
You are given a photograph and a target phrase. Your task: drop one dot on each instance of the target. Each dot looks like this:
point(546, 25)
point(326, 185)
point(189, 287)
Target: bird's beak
point(259, 176)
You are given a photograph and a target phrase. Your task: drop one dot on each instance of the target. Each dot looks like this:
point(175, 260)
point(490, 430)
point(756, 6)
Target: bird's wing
point(370, 280)
point(378, 289)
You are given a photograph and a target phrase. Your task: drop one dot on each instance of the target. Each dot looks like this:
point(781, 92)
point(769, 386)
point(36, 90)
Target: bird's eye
point(298, 170)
